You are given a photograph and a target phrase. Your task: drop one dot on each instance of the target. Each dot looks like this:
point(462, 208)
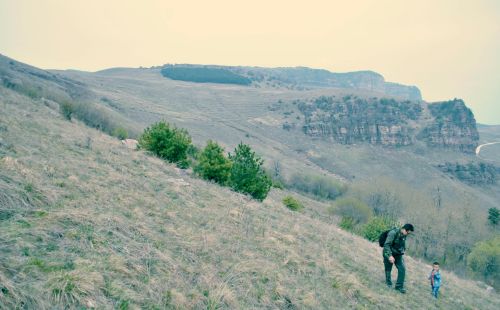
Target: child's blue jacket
point(437, 279)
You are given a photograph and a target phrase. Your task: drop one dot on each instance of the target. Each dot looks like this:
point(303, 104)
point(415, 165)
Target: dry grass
point(93, 224)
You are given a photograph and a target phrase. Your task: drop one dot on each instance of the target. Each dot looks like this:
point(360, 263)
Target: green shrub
point(292, 203)
point(278, 184)
point(354, 209)
point(375, 226)
point(484, 261)
point(212, 164)
point(347, 223)
point(193, 151)
point(247, 173)
point(167, 142)
point(120, 132)
point(184, 163)
point(493, 216)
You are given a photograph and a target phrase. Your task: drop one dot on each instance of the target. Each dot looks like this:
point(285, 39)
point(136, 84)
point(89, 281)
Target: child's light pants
point(435, 291)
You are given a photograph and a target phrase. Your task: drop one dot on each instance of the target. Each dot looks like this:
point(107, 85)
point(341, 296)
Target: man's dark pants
point(400, 265)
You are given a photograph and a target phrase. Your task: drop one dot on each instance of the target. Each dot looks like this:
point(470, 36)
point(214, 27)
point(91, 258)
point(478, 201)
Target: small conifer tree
point(247, 173)
point(212, 164)
point(167, 142)
point(493, 216)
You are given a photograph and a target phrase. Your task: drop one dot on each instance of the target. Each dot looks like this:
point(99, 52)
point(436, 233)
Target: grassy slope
point(88, 222)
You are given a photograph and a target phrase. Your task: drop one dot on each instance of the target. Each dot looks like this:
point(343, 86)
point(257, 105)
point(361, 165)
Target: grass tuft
point(292, 203)
point(74, 287)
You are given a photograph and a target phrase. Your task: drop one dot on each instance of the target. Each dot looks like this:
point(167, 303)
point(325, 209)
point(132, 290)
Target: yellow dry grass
point(101, 226)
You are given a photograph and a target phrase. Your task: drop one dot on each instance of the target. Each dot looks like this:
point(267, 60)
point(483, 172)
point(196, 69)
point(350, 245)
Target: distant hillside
point(299, 77)
point(58, 90)
point(490, 134)
point(37, 83)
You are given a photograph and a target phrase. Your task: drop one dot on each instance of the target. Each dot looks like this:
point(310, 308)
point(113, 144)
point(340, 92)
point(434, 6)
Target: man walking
point(394, 249)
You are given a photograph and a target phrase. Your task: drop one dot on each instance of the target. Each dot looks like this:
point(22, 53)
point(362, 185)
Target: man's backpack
point(383, 237)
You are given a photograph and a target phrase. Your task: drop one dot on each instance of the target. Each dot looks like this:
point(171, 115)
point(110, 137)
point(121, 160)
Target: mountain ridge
point(309, 77)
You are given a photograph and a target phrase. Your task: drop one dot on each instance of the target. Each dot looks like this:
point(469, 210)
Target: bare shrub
point(354, 209)
point(319, 186)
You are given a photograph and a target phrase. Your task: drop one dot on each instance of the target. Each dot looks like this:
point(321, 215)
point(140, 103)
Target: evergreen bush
point(247, 173)
point(376, 225)
point(493, 216)
point(212, 164)
point(167, 142)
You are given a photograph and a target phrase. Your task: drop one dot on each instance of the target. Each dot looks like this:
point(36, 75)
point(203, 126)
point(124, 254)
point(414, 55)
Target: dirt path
point(478, 149)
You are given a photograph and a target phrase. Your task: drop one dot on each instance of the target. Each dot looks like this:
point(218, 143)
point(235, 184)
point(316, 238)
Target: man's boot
point(402, 290)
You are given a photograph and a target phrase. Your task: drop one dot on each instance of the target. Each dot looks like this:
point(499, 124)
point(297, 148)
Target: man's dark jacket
point(395, 243)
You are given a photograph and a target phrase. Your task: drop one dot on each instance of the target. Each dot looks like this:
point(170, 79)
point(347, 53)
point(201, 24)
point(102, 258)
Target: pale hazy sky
point(448, 48)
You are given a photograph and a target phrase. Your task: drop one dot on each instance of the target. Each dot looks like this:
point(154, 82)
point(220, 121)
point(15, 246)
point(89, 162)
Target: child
point(435, 278)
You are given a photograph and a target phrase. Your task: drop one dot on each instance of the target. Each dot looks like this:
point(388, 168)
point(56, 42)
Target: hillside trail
point(478, 148)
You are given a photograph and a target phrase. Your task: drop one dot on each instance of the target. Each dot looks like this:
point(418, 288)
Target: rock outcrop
point(350, 120)
point(453, 126)
point(390, 122)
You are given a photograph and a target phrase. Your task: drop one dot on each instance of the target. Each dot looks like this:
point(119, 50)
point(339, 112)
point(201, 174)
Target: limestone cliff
point(390, 122)
point(453, 126)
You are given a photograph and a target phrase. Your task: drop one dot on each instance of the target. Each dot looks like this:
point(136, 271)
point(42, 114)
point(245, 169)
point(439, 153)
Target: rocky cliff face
point(453, 126)
point(390, 122)
point(349, 120)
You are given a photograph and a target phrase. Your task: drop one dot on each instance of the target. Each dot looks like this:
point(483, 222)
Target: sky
point(448, 48)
